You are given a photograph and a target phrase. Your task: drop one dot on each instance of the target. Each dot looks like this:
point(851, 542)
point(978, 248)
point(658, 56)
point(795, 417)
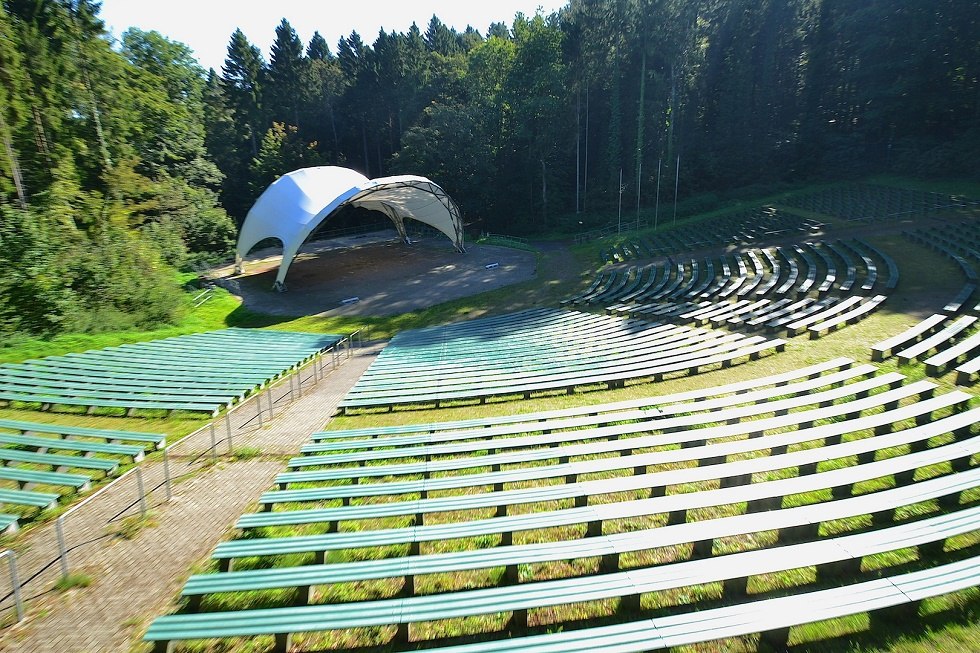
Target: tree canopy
point(131, 146)
point(550, 109)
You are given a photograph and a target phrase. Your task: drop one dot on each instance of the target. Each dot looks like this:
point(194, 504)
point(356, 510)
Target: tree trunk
point(14, 165)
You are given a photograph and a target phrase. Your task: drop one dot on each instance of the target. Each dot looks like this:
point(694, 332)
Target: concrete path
point(134, 580)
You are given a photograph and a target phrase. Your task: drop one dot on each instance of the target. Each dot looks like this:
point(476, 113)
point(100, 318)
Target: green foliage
point(55, 278)
point(106, 181)
point(282, 151)
point(537, 120)
point(132, 526)
point(71, 581)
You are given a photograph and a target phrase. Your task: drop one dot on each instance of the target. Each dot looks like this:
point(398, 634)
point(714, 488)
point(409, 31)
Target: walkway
point(134, 580)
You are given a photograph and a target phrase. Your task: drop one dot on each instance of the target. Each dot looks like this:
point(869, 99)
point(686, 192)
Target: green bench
point(850, 274)
point(100, 380)
point(773, 617)
point(808, 372)
point(938, 339)
point(610, 547)
point(847, 317)
point(580, 491)
point(967, 371)
point(798, 321)
point(936, 364)
point(596, 283)
point(114, 373)
point(652, 338)
point(58, 461)
point(723, 350)
point(8, 523)
point(89, 388)
point(595, 514)
point(47, 401)
point(772, 278)
point(733, 285)
point(793, 274)
point(695, 451)
point(134, 452)
point(639, 420)
point(892, 282)
point(870, 268)
point(626, 586)
point(885, 348)
point(758, 274)
point(725, 317)
point(811, 270)
point(668, 341)
point(158, 440)
point(830, 268)
point(569, 470)
point(762, 311)
point(42, 500)
point(785, 307)
point(24, 477)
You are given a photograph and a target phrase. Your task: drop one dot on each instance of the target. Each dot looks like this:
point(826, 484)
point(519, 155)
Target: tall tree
point(287, 71)
point(242, 78)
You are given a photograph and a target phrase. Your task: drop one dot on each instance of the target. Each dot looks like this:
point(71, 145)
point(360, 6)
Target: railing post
point(214, 444)
point(292, 396)
point(166, 468)
point(59, 532)
point(15, 584)
point(258, 407)
point(139, 487)
point(268, 394)
point(228, 428)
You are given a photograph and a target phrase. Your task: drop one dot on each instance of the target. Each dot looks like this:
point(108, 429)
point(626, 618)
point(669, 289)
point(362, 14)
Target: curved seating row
point(823, 429)
point(810, 269)
point(872, 202)
point(743, 227)
point(201, 372)
point(797, 270)
point(539, 351)
point(943, 336)
point(949, 245)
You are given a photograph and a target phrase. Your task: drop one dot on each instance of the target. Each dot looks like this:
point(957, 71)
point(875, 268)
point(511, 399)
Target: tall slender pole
point(585, 170)
point(677, 181)
point(619, 228)
point(578, 147)
point(656, 211)
point(639, 170)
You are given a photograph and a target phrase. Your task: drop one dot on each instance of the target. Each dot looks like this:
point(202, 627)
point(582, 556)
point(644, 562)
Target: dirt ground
point(387, 276)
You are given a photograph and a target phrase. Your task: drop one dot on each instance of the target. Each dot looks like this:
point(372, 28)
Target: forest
point(124, 161)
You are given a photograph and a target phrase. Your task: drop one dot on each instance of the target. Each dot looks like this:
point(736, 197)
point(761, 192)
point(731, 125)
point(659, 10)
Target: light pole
point(619, 228)
point(656, 211)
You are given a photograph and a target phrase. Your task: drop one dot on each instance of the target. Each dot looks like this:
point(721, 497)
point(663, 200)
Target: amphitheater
point(756, 431)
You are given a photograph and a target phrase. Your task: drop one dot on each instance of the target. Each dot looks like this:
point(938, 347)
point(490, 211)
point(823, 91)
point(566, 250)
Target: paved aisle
point(135, 580)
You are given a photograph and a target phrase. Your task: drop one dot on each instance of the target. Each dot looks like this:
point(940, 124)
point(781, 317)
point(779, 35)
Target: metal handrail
point(14, 581)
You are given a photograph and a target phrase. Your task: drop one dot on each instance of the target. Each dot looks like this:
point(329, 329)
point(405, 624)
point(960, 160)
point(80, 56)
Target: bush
point(56, 278)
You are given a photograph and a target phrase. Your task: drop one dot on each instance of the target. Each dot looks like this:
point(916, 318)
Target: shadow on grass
point(246, 318)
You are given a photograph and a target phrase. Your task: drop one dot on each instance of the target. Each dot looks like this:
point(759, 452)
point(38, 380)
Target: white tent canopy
point(294, 205)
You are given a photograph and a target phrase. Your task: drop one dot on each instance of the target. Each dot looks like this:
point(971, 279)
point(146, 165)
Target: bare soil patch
point(387, 276)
